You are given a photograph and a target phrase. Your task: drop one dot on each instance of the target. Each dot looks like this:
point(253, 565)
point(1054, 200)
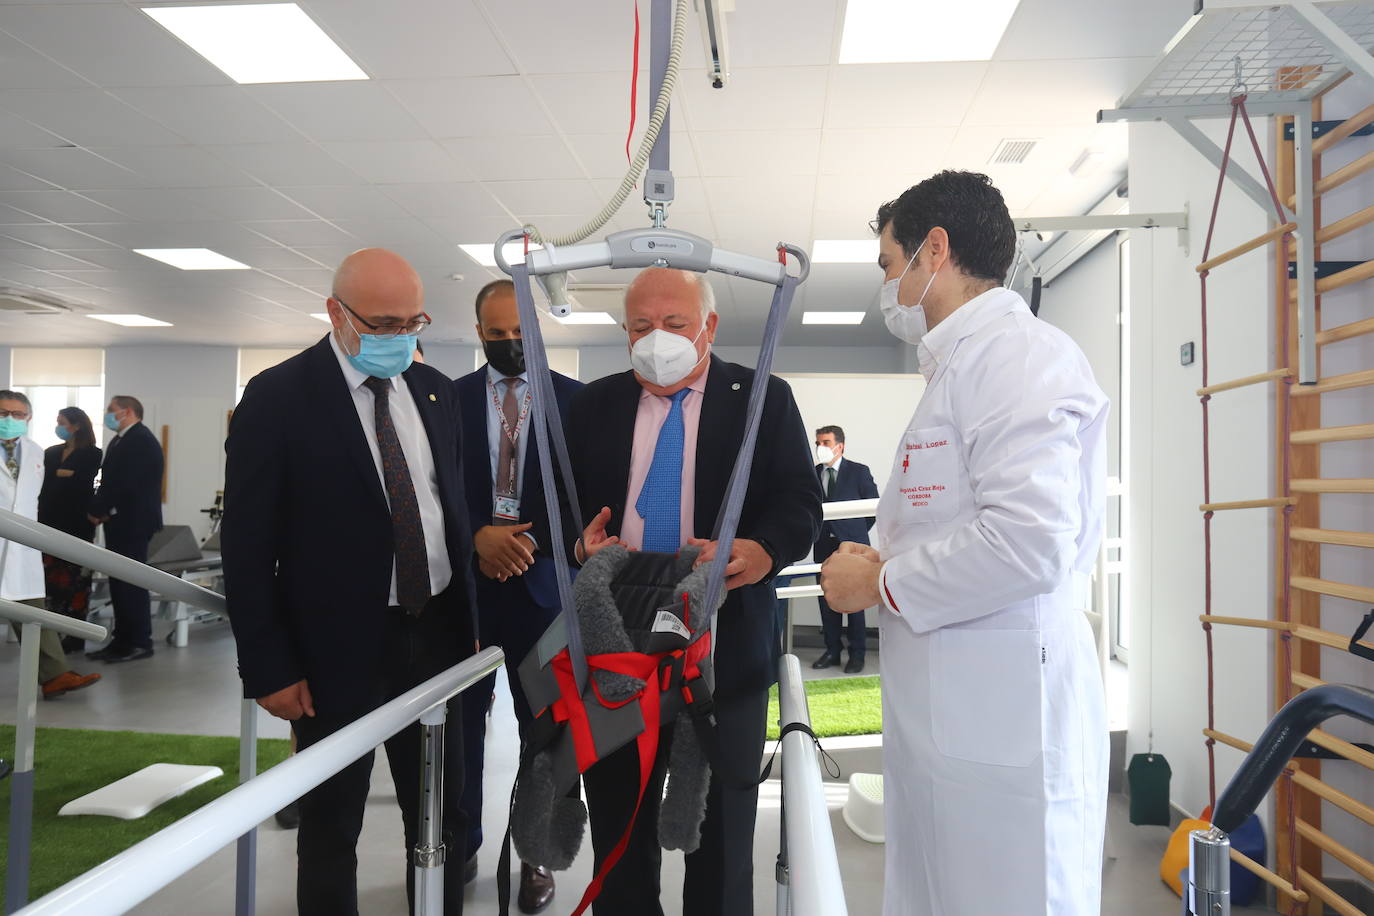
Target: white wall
point(1167, 674)
point(5, 365)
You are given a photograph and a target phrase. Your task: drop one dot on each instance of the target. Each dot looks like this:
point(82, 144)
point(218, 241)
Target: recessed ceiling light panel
point(192, 258)
point(484, 253)
point(586, 318)
point(902, 31)
point(832, 317)
point(132, 321)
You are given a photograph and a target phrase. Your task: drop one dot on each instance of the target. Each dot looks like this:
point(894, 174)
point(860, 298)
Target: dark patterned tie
point(11, 446)
point(829, 482)
point(412, 562)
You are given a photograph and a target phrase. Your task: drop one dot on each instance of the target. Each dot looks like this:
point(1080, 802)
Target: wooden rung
point(1327, 895)
point(1307, 681)
point(1244, 247)
point(1333, 589)
point(1333, 485)
point(1249, 504)
point(1301, 631)
point(1340, 227)
point(1336, 383)
point(1256, 622)
point(1342, 130)
point(1341, 538)
point(1332, 434)
point(1271, 375)
point(1311, 783)
point(1339, 177)
point(1338, 746)
point(1259, 870)
point(1350, 859)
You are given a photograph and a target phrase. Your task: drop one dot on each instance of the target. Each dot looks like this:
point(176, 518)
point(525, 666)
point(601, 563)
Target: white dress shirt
point(410, 429)
point(494, 431)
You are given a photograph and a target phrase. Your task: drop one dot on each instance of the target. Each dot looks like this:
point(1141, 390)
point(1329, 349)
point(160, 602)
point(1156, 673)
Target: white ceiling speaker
point(1012, 152)
point(32, 302)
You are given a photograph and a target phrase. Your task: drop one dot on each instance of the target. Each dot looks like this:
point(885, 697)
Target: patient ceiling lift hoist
point(608, 671)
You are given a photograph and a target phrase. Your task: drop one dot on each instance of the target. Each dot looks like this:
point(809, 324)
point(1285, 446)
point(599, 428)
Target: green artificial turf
point(839, 706)
point(70, 762)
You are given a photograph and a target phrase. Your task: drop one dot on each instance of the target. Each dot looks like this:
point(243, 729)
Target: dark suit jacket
point(131, 485)
point(307, 536)
point(782, 508)
point(65, 502)
point(852, 481)
point(474, 397)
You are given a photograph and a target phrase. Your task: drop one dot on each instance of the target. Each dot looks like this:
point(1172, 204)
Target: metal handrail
point(808, 867)
point(119, 884)
point(68, 626)
point(14, 527)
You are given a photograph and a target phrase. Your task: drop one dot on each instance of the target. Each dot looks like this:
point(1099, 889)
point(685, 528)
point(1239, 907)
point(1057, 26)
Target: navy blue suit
point(852, 481)
point(130, 495)
point(511, 614)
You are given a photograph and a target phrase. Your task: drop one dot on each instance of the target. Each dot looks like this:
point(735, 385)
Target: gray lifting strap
point(546, 417)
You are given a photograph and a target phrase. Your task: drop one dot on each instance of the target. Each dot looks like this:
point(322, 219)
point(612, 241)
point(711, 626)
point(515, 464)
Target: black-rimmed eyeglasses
point(417, 326)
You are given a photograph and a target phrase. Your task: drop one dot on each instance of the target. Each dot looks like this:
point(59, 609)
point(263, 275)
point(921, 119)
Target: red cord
point(634, 87)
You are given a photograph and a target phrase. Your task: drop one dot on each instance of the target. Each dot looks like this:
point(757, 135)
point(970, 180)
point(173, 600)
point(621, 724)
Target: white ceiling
point(485, 114)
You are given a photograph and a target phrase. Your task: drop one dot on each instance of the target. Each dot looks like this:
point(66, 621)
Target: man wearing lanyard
point(517, 594)
point(995, 734)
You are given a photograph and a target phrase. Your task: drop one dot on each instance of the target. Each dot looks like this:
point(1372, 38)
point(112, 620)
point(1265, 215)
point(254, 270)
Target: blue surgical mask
point(111, 422)
point(384, 357)
point(63, 432)
point(10, 428)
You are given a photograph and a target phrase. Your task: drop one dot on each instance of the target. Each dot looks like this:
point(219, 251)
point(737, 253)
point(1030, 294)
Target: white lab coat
point(21, 568)
point(995, 735)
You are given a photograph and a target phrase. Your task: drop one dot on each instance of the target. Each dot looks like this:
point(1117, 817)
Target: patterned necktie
point(505, 454)
point(412, 562)
point(660, 500)
point(11, 462)
point(829, 482)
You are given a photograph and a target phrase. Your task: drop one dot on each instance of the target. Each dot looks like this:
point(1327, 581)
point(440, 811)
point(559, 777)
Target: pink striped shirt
point(653, 410)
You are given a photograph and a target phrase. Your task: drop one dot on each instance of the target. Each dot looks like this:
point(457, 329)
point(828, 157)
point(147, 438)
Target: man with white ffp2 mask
point(995, 746)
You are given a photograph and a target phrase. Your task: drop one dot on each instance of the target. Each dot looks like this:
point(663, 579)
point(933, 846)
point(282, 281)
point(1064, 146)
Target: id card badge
point(506, 508)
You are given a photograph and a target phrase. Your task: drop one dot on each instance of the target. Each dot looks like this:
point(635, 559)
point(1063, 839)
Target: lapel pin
point(433, 398)
point(735, 387)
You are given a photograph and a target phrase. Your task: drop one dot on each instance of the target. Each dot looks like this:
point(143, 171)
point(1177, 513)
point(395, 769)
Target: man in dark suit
point(841, 479)
point(129, 505)
point(517, 594)
point(652, 450)
point(347, 558)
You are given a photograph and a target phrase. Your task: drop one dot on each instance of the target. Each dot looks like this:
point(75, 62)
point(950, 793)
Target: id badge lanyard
point(512, 435)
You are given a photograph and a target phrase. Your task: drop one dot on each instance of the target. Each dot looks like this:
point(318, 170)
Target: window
point(54, 378)
point(253, 361)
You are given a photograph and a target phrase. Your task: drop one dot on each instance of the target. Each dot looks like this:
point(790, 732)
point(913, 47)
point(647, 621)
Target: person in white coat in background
point(995, 734)
point(21, 567)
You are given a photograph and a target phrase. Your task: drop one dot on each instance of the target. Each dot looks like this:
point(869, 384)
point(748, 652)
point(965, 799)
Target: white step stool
point(863, 809)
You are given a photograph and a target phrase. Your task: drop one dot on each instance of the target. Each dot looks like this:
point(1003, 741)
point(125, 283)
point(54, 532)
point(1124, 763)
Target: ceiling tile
point(154, 205)
point(583, 103)
point(399, 162)
point(521, 197)
point(72, 167)
point(273, 257)
point(250, 203)
point(299, 232)
point(1067, 29)
point(44, 259)
point(346, 110)
point(286, 164)
point(359, 203)
point(210, 114)
point(16, 133)
point(858, 194)
point(759, 192)
point(906, 154)
point(901, 95)
point(21, 67)
point(448, 200)
point(59, 206)
point(410, 238)
point(603, 155)
point(516, 158)
point(109, 44)
point(474, 107)
point(729, 153)
point(1053, 92)
point(176, 166)
point(50, 235)
point(465, 230)
point(766, 33)
point(549, 36)
point(762, 99)
point(433, 38)
point(87, 117)
point(12, 179)
point(171, 235)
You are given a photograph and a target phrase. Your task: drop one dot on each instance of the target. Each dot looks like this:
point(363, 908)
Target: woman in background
point(69, 471)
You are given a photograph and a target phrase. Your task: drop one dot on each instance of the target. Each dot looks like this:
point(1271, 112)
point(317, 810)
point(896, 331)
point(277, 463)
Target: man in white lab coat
point(995, 736)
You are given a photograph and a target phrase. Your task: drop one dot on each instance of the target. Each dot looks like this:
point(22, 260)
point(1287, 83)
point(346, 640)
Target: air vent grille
point(1012, 152)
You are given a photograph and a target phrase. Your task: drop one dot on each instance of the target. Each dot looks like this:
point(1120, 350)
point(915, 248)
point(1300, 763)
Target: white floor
point(195, 691)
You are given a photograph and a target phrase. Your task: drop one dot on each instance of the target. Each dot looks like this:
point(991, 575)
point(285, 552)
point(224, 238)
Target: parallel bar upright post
point(21, 780)
point(246, 861)
point(1305, 241)
point(429, 848)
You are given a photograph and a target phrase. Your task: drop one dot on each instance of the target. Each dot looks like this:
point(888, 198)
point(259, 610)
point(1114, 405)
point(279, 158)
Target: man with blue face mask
point(994, 728)
point(347, 558)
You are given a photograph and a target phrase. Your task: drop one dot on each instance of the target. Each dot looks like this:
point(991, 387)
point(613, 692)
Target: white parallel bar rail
point(809, 877)
point(849, 508)
point(123, 882)
point(67, 626)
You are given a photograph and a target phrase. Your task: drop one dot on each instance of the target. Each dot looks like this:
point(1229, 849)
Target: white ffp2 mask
point(906, 322)
point(664, 358)
point(824, 454)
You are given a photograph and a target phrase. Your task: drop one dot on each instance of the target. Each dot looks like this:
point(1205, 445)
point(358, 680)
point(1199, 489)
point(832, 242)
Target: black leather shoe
point(470, 870)
point(289, 818)
point(854, 665)
point(73, 644)
point(99, 655)
point(536, 888)
point(827, 660)
point(128, 655)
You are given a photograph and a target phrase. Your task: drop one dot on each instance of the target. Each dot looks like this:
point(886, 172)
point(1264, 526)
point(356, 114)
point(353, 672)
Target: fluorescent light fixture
point(259, 42)
point(844, 251)
point(192, 258)
point(322, 316)
point(586, 318)
point(132, 321)
point(832, 317)
point(900, 31)
point(484, 253)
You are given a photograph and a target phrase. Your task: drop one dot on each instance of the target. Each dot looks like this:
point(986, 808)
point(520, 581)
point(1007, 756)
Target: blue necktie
point(660, 501)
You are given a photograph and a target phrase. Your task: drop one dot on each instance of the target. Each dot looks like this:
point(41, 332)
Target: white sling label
point(668, 622)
